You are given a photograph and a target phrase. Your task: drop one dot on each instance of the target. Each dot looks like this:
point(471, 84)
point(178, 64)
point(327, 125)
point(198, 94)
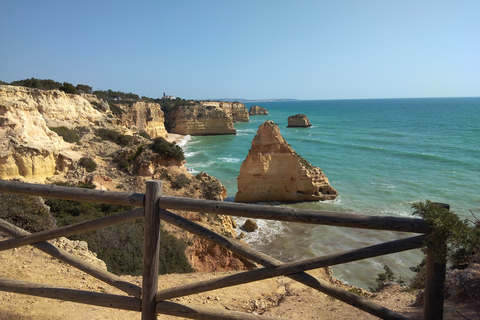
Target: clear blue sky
point(247, 49)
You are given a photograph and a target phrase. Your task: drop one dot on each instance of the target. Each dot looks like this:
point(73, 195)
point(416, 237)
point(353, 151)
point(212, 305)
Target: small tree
point(68, 88)
point(84, 88)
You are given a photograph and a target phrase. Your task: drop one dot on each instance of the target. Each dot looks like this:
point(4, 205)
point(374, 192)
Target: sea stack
point(273, 171)
point(257, 111)
point(298, 120)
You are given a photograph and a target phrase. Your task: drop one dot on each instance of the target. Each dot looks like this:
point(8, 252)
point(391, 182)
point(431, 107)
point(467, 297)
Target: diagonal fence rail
point(154, 207)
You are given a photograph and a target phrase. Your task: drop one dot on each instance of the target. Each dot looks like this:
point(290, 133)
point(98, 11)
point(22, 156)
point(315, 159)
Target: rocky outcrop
point(28, 148)
point(236, 110)
point(31, 152)
point(145, 116)
point(273, 171)
point(257, 111)
point(200, 120)
point(298, 120)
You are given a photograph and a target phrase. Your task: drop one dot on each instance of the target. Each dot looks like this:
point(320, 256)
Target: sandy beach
point(173, 137)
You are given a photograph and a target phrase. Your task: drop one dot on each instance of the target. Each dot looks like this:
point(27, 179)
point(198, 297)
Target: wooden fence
point(154, 207)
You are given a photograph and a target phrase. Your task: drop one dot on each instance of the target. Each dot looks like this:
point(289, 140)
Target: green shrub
point(462, 239)
point(96, 105)
point(124, 140)
point(181, 181)
point(461, 236)
point(120, 246)
point(137, 152)
point(27, 212)
point(67, 134)
point(144, 134)
point(384, 278)
point(167, 149)
point(45, 84)
point(68, 88)
point(88, 164)
point(113, 136)
point(116, 110)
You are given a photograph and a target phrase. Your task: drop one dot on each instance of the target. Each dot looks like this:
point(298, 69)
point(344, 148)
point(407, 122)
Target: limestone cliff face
point(54, 106)
point(147, 116)
point(200, 120)
point(28, 148)
point(298, 120)
point(236, 110)
point(257, 111)
point(273, 171)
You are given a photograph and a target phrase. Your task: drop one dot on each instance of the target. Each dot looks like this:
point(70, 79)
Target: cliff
point(200, 120)
point(273, 171)
point(29, 148)
point(298, 120)
point(257, 111)
point(30, 151)
point(144, 116)
point(236, 110)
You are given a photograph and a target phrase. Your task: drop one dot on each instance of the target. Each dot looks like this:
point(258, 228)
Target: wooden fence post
point(435, 280)
point(151, 249)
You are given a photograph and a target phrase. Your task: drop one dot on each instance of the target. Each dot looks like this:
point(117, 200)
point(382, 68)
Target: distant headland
point(253, 100)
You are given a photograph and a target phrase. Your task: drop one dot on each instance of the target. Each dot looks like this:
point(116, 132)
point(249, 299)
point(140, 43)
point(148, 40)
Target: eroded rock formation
point(273, 171)
point(257, 111)
point(200, 120)
point(298, 120)
point(31, 152)
point(28, 148)
point(236, 110)
point(145, 116)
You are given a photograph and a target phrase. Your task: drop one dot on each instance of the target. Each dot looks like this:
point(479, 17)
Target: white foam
point(191, 154)
point(230, 160)
point(266, 232)
point(184, 140)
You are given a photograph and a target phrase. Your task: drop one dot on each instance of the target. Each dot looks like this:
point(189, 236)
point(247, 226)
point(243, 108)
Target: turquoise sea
point(381, 155)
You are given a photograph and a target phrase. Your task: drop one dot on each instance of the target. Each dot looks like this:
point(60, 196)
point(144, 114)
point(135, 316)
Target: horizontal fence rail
point(72, 229)
point(75, 261)
point(267, 261)
point(150, 301)
point(294, 267)
point(331, 218)
point(73, 193)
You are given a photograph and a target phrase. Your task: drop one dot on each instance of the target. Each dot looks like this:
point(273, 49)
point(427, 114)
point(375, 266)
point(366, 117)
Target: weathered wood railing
point(149, 300)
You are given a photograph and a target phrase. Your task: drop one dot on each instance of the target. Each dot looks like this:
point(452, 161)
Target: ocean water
point(381, 155)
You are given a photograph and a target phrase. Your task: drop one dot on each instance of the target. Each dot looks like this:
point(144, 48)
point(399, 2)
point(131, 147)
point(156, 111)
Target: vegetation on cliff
point(120, 246)
point(27, 212)
point(67, 134)
point(461, 252)
point(47, 84)
point(168, 149)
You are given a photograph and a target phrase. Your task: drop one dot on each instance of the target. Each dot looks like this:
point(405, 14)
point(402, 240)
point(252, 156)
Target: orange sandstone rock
point(273, 171)
point(299, 120)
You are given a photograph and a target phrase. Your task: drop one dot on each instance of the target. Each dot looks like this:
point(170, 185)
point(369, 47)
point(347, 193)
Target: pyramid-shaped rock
point(273, 171)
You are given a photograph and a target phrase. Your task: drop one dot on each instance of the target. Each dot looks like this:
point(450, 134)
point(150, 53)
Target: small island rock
point(273, 171)
point(257, 111)
point(250, 225)
point(298, 120)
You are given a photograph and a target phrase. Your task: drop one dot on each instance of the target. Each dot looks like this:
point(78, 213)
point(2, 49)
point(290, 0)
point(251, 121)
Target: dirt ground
point(279, 297)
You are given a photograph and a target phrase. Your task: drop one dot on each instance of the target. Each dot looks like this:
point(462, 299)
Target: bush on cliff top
point(168, 149)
